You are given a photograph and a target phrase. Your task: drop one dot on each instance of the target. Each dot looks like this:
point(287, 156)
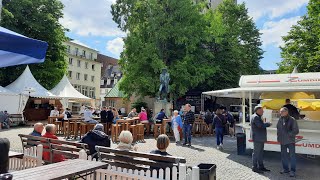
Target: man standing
point(219, 122)
point(287, 129)
point(187, 124)
point(293, 111)
point(103, 115)
point(259, 137)
point(110, 116)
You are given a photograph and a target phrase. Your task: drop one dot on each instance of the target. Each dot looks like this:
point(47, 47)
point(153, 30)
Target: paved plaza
point(230, 166)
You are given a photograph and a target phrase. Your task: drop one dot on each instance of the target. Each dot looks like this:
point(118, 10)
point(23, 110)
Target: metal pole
point(250, 104)
point(243, 108)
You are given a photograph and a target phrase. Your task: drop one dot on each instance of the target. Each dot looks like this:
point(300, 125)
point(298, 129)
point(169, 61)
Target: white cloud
point(272, 8)
point(273, 31)
point(93, 17)
point(115, 46)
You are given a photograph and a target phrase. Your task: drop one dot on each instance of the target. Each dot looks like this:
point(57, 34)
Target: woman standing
point(176, 123)
point(115, 115)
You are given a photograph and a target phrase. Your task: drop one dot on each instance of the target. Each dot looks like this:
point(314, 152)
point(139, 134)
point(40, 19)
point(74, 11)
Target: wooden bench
point(54, 146)
point(137, 160)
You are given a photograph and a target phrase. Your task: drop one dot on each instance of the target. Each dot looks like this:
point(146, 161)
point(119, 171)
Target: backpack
point(208, 117)
point(68, 115)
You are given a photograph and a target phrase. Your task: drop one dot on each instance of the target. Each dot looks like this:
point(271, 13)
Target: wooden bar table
point(62, 170)
point(164, 125)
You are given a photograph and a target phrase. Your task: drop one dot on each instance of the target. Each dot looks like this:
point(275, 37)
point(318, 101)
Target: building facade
point(215, 3)
point(110, 76)
point(84, 71)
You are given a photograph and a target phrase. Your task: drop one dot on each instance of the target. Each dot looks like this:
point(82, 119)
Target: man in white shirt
point(54, 113)
point(82, 109)
point(88, 116)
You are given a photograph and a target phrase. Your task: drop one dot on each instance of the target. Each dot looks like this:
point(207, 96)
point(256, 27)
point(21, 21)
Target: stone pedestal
point(162, 104)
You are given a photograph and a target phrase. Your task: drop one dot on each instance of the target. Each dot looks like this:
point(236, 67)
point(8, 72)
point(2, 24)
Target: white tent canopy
point(12, 102)
point(28, 85)
point(67, 92)
point(64, 89)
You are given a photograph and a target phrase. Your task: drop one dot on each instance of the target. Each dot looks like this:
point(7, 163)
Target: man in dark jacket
point(160, 116)
point(287, 129)
point(109, 115)
point(219, 122)
point(188, 121)
point(96, 137)
point(208, 117)
point(293, 111)
point(103, 115)
point(259, 137)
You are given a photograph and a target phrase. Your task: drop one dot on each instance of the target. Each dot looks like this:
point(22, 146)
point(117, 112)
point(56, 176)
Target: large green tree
point(37, 19)
point(162, 34)
point(235, 42)
point(302, 44)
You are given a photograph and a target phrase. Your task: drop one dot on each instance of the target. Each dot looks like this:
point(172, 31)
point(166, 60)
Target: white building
point(84, 72)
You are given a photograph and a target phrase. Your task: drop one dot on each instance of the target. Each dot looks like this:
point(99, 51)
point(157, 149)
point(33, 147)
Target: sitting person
point(96, 137)
point(160, 116)
point(4, 155)
point(133, 113)
point(143, 116)
point(50, 133)
point(37, 129)
point(54, 112)
point(88, 116)
point(126, 140)
point(163, 142)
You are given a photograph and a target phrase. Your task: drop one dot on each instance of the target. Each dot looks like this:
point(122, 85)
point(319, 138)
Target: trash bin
point(207, 171)
point(241, 143)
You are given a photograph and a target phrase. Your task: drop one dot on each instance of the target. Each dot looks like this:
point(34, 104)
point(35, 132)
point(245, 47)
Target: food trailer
point(304, 91)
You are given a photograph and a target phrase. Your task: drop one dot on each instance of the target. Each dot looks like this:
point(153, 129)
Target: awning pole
point(243, 108)
point(250, 104)
point(202, 102)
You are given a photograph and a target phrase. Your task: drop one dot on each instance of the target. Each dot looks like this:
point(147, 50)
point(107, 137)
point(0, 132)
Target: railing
point(32, 158)
point(116, 173)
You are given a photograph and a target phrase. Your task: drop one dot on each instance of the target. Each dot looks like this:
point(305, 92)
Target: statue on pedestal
point(164, 84)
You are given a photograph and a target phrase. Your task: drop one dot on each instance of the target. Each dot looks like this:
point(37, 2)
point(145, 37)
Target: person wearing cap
point(259, 137)
point(96, 137)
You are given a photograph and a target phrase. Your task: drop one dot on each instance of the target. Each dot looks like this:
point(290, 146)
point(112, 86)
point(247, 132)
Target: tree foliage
point(302, 44)
point(162, 34)
point(235, 43)
point(37, 19)
point(202, 49)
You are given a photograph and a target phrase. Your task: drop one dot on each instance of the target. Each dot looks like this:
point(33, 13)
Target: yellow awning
point(305, 106)
point(287, 95)
point(274, 104)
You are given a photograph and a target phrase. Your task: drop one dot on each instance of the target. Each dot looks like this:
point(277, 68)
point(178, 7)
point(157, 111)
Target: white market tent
point(67, 92)
point(12, 102)
point(26, 84)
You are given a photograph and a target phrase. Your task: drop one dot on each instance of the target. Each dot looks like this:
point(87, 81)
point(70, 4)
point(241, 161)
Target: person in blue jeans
point(219, 121)
point(287, 129)
point(188, 121)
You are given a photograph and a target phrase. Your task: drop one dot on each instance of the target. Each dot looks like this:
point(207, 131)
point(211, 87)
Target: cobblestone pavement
point(230, 166)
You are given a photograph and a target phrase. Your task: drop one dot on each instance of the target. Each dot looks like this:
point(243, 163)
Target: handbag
point(179, 129)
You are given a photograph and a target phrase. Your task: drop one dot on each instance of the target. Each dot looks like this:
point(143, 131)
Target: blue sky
point(90, 23)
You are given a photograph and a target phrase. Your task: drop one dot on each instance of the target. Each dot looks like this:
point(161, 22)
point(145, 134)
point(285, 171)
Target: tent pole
point(0, 9)
point(202, 103)
point(243, 108)
point(250, 104)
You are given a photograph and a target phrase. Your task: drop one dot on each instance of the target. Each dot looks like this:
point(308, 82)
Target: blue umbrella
point(16, 49)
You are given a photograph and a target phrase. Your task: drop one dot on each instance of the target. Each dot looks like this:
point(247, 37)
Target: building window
point(85, 90)
point(108, 81)
point(91, 56)
point(84, 53)
point(86, 77)
point(79, 63)
point(77, 52)
point(92, 67)
point(101, 82)
point(86, 65)
point(68, 49)
point(70, 61)
point(70, 74)
point(92, 78)
point(110, 103)
point(92, 92)
point(78, 76)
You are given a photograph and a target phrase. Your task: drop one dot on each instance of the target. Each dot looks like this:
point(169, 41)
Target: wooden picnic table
point(61, 170)
point(13, 154)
